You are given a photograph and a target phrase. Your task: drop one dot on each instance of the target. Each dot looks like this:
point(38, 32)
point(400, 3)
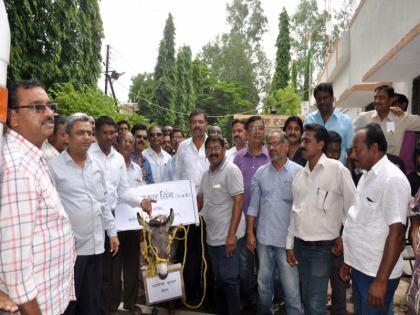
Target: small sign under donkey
point(170, 288)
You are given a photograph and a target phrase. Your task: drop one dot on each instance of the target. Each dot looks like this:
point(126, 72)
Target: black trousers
point(106, 279)
point(88, 275)
point(126, 261)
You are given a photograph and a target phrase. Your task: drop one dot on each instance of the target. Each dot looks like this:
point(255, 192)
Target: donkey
point(158, 241)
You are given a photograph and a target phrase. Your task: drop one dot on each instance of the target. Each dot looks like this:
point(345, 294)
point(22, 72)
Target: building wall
point(378, 25)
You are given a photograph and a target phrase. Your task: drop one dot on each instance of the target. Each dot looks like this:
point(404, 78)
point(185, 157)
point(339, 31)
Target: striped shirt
point(37, 251)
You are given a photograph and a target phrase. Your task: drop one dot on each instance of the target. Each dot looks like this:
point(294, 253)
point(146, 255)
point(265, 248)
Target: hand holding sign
point(146, 205)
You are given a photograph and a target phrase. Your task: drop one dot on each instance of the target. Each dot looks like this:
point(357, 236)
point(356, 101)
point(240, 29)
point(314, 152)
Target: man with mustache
point(117, 186)
point(393, 126)
point(331, 117)
point(57, 142)
point(157, 157)
point(177, 136)
point(238, 137)
point(249, 160)
point(374, 229)
point(80, 182)
point(293, 127)
point(139, 132)
point(191, 163)
point(220, 199)
point(36, 235)
point(322, 194)
point(269, 210)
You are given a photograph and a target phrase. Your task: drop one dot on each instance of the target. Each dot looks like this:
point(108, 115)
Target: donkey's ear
point(143, 222)
point(168, 222)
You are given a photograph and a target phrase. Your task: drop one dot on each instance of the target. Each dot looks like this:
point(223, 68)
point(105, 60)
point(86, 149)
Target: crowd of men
point(324, 200)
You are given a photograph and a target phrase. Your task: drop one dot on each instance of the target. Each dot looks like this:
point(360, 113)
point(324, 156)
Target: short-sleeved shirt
point(249, 164)
point(271, 202)
point(338, 122)
point(218, 187)
point(382, 199)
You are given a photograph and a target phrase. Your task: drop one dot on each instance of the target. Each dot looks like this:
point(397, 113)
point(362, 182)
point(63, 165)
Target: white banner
point(179, 195)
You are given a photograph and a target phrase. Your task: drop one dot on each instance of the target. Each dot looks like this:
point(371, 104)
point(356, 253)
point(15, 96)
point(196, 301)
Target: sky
point(134, 28)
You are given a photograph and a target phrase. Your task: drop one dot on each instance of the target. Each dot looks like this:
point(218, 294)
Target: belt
point(316, 243)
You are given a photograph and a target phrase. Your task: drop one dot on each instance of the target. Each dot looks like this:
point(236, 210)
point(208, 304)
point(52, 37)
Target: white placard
point(179, 195)
point(158, 290)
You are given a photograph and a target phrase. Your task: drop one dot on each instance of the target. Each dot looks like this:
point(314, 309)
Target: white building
point(381, 46)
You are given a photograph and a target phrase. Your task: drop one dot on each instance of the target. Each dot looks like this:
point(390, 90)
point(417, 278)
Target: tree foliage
point(281, 75)
point(141, 92)
point(90, 101)
point(164, 93)
point(309, 31)
point(184, 85)
point(55, 41)
point(237, 56)
point(286, 101)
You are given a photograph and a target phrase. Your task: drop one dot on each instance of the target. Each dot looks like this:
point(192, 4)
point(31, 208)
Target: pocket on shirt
point(369, 215)
point(327, 200)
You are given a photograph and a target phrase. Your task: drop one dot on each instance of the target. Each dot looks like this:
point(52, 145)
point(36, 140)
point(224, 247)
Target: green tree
point(294, 75)
point(55, 41)
point(238, 55)
point(164, 94)
point(88, 100)
point(184, 85)
point(286, 101)
point(141, 92)
point(309, 31)
point(282, 74)
point(342, 19)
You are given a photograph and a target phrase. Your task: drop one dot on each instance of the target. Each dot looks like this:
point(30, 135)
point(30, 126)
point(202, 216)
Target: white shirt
point(135, 175)
point(190, 163)
point(170, 168)
point(382, 198)
point(116, 180)
point(49, 151)
point(157, 163)
point(321, 199)
point(83, 193)
point(231, 153)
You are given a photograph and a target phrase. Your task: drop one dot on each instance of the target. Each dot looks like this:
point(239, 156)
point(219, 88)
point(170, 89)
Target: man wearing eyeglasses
point(155, 155)
point(37, 251)
point(249, 160)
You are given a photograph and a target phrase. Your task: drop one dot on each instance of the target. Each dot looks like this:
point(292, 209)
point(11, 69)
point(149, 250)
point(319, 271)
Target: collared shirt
point(392, 126)
point(231, 153)
point(249, 164)
point(218, 187)
point(190, 163)
point(36, 240)
point(158, 163)
point(169, 169)
point(321, 199)
point(135, 175)
point(382, 199)
point(146, 166)
point(338, 122)
point(116, 181)
point(84, 195)
point(271, 202)
point(49, 151)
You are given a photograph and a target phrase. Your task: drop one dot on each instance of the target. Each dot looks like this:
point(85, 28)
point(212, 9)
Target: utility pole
point(106, 69)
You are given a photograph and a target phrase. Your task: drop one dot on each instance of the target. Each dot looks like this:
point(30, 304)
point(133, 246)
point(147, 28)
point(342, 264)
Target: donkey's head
point(159, 238)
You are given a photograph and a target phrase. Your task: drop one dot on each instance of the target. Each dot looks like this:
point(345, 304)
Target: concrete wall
point(378, 26)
